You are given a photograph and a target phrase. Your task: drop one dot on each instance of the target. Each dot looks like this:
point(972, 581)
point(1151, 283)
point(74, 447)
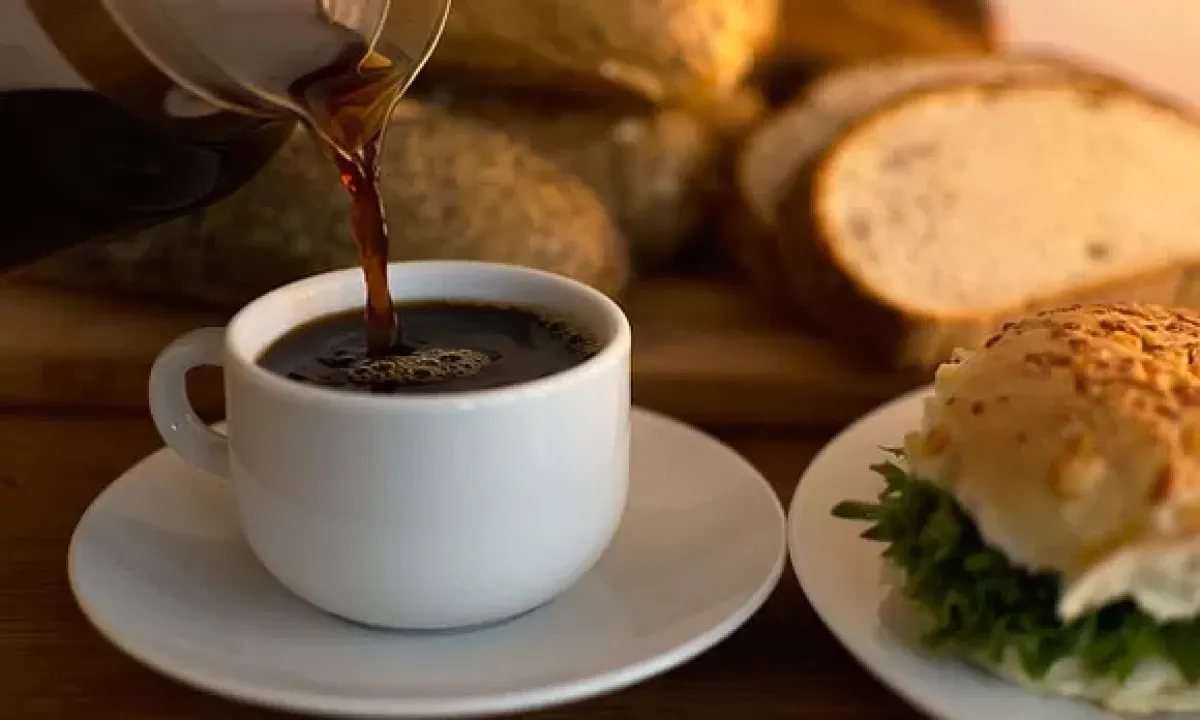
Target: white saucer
point(159, 566)
point(840, 573)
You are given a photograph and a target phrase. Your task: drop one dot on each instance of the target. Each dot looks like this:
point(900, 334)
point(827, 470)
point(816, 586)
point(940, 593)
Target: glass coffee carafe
point(117, 114)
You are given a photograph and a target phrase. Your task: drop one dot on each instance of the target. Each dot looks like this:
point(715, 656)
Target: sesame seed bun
point(1072, 438)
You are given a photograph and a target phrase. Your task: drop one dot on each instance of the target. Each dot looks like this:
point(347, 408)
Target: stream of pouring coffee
point(350, 103)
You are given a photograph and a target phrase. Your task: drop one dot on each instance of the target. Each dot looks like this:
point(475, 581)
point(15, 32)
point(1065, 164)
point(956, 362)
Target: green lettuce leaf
point(979, 605)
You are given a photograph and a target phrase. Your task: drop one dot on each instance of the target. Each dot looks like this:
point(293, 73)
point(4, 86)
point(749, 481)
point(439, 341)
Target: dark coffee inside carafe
point(83, 167)
point(111, 142)
point(349, 104)
point(95, 145)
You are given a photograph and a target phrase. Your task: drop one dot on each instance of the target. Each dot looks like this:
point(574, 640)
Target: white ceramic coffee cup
point(418, 511)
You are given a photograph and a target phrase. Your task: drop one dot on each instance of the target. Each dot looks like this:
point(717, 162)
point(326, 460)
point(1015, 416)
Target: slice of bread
point(784, 148)
point(939, 215)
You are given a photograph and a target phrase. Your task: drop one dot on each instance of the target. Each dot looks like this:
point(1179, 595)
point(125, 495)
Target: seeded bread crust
point(849, 309)
point(656, 172)
point(793, 139)
point(1072, 437)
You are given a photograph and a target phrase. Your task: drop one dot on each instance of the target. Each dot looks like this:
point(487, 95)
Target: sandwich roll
point(1044, 518)
point(1073, 440)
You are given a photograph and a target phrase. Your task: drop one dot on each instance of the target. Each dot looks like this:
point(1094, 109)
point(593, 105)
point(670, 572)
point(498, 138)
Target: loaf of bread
point(940, 214)
point(669, 52)
point(656, 171)
point(453, 189)
point(783, 149)
point(857, 30)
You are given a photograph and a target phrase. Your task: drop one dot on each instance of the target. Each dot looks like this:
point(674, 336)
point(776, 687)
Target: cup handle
point(196, 443)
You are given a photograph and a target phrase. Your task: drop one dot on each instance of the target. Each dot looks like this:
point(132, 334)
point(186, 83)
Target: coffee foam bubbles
point(572, 337)
point(418, 368)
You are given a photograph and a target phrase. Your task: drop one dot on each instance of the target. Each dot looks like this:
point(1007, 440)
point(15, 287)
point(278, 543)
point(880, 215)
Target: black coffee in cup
point(447, 346)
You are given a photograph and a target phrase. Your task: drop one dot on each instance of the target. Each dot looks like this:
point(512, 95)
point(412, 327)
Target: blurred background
point(663, 151)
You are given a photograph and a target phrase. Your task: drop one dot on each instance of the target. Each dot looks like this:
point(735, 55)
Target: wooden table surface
point(782, 664)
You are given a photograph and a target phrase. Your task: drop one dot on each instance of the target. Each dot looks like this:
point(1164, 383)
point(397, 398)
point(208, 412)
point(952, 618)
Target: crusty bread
point(1072, 438)
point(951, 208)
point(676, 52)
point(784, 148)
point(453, 188)
point(855, 30)
point(655, 170)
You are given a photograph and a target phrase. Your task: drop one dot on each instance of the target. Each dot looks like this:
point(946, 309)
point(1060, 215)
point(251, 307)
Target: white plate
point(840, 573)
point(160, 568)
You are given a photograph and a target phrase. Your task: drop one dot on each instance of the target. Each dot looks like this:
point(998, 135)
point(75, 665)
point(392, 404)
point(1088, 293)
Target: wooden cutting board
point(704, 351)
